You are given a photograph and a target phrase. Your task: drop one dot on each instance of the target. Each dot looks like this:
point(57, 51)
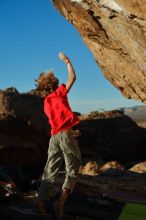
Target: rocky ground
point(99, 193)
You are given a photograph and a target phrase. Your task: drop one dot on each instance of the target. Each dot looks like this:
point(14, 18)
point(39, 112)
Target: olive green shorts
point(63, 147)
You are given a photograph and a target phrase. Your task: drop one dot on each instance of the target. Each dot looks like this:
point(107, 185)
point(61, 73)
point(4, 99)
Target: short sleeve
point(61, 90)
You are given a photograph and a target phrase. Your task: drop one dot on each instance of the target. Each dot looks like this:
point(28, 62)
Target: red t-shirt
point(58, 111)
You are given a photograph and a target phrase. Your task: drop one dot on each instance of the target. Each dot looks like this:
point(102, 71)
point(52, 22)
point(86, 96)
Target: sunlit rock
point(115, 32)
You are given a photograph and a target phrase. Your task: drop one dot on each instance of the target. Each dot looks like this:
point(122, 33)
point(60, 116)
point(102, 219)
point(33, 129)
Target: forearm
point(71, 72)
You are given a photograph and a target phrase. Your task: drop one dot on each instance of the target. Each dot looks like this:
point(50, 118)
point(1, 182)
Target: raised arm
point(71, 72)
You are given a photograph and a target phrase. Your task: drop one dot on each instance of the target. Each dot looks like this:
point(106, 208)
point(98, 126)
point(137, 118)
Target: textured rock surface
point(111, 136)
point(23, 129)
point(115, 32)
point(139, 168)
point(115, 183)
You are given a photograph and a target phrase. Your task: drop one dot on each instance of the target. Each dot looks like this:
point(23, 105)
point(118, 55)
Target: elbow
point(74, 77)
point(73, 80)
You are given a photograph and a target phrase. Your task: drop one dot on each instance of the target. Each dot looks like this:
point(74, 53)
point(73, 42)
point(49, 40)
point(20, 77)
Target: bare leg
point(64, 195)
point(40, 206)
point(59, 206)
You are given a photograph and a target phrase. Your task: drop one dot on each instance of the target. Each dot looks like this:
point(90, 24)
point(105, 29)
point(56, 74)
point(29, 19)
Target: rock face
point(115, 32)
point(110, 136)
point(23, 129)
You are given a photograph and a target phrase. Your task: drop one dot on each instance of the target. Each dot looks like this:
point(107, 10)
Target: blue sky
point(32, 33)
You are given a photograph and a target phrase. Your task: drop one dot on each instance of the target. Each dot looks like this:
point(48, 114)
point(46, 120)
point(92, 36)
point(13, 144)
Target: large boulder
point(111, 135)
point(115, 32)
point(24, 130)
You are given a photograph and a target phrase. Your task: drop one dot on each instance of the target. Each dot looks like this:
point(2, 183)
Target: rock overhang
point(115, 32)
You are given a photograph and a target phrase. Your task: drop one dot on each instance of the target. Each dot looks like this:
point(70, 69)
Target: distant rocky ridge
point(137, 113)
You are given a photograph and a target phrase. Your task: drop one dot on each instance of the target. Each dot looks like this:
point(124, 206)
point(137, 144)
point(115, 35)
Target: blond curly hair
point(46, 83)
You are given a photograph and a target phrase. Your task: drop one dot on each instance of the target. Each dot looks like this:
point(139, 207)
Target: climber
point(63, 146)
